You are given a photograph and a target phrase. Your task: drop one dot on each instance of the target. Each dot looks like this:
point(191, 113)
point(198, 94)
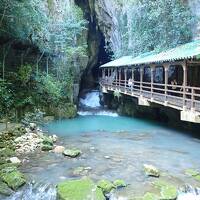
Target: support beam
point(132, 70)
point(184, 83)
point(141, 78)
point(166, 70)
point(120, 72)
point(125, 78)
point(152, 79)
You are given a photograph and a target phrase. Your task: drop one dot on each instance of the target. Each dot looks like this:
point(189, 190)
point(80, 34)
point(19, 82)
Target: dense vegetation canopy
point(148, 25)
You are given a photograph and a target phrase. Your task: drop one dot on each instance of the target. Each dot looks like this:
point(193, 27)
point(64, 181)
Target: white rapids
point(90, 105)
point(91, 99)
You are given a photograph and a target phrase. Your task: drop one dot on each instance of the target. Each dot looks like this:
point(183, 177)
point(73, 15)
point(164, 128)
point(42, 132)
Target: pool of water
point(113, 148)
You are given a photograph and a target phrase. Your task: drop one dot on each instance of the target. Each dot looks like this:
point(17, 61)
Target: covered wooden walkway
point(169, 78)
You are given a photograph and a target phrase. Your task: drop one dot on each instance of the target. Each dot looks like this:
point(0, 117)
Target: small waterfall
point(35, 192)
point(90, 105)
point(91, 100)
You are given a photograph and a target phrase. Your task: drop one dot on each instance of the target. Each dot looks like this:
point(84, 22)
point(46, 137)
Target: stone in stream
point(150, 170)
point(150, 196)
point(15, 160)
point(59, 149)
point(10, 175)
point(72, 153)
point(194, 173)
point(83, 189)
point(81, 171)
point(106, 186)
point(167, 190)
point(119, 183)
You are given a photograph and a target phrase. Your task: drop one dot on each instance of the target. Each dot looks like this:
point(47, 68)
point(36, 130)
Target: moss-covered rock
point(47, 140)
point(106, 186)
point(150, 196)
point(83, 189)
point(47, 143)
point(119, 183)
point(72, 153)
point(167, 190)
point(12, 177)
point(46, 147)
point(4, 189)
point(194, 173)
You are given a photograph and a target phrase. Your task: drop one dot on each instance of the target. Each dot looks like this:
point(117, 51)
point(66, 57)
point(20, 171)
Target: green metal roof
point(183, 52)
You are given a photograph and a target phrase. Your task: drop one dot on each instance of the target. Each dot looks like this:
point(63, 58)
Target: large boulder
point(72, 153)
point(83, 189)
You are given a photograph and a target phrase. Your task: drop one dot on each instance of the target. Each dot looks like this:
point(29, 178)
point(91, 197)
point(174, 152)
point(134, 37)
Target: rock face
point(79, 190)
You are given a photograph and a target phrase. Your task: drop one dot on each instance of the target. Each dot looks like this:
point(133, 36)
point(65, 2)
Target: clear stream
point(113, 147)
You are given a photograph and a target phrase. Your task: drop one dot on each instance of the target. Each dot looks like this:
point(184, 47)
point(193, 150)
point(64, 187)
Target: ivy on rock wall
point(55, 29)
point(147, 25)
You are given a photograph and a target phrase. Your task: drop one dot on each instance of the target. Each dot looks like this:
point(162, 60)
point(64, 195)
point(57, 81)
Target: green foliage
point(24, 73)
point(6, 99)
point(49, 89)
point(147, 25)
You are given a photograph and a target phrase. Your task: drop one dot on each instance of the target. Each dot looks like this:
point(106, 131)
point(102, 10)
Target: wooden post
point(166, 69)
point(125, 77)
point(119, 77)
point(132, 80)
point(152, 79)
point(184, 83)
point(141, 78)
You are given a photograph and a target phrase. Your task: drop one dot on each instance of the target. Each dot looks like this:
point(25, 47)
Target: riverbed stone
point(106, 186)
point(119, 183)
point(194, 173)
point(15, 160)
point(12, 177)
point(83, 189)
point(72, 153)
point(167, 190)
point(150, 170)
point(4, 189)
point(150, 196)
point(59, 149)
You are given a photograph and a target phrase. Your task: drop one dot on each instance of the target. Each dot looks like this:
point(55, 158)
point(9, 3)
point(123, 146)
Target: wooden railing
point(176, 96)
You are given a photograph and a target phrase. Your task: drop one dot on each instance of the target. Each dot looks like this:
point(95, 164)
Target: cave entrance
point(90, 78)
point(104, 56)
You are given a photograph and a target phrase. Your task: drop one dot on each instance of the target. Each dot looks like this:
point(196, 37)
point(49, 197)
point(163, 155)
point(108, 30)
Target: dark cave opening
point(98, 47)
point(104, 56)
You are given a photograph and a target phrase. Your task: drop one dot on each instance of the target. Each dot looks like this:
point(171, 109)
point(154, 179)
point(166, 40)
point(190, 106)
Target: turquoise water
point(83, 124)
point(114, 148)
